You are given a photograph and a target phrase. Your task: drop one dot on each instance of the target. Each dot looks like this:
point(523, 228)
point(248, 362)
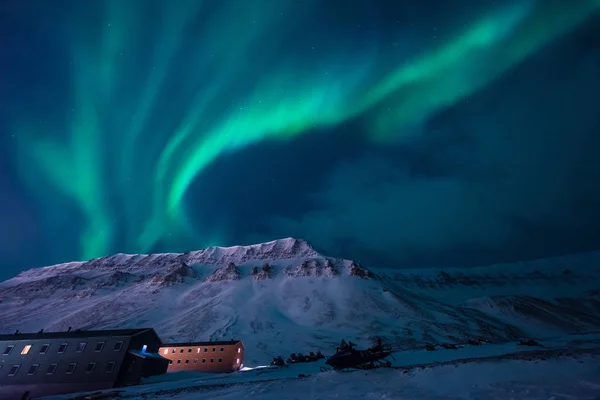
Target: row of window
point(214, 349)
point(62, 348)
point(212, 360)
point(71, 367)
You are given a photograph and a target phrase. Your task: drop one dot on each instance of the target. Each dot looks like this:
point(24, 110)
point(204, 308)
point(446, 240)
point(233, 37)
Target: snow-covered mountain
point(283, 296)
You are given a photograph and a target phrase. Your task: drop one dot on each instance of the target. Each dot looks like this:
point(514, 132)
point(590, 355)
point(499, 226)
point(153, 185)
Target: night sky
point(399, 133)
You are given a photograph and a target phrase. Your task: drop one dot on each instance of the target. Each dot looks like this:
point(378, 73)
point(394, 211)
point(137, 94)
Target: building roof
point(191, 344)
point(73, 334)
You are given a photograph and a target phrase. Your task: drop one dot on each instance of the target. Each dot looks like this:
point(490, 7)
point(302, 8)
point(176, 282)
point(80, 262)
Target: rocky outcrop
point(228, 273)
point(356, 270)
point(51, 284)
point(263, 273)
point(313, 268)
point(176, 273)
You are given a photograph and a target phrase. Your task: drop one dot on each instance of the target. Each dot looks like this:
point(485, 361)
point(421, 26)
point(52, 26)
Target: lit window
point(14, 369)
point(198, 350)
point(90, 367)
point(110, 367)
point(81, 347)
point(26, 349)
point(62, 348)
point(222, 349)
point(44, 349)
point(144, 348)
point(239, 349)
point(166, 351)
point(8, 350)
point(32, 369)
point(51, 369)
point(220, 360)
point(71, 368)
point(99, 346)
point(195, 361)
point(237, 361)
point(118, 346)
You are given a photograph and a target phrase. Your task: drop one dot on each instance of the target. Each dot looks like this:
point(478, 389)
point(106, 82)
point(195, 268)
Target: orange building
point(225, 356)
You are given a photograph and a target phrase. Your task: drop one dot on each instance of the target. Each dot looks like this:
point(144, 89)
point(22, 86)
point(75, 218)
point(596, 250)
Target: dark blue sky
point(398, 133)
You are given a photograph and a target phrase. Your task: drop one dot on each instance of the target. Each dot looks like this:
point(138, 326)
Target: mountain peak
point(276, 249)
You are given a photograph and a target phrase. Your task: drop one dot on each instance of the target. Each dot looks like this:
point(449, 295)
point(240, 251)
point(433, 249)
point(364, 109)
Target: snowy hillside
point(282, 296)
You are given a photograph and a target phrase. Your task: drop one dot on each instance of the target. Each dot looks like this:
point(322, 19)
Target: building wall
point(105, 373)
point(205, 357)
point(33, 391)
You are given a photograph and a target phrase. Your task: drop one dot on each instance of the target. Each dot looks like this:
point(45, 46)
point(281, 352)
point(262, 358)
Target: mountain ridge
point(283, 295)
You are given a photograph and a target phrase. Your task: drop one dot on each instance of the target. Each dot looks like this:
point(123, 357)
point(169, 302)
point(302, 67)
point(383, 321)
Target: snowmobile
point(348, 358)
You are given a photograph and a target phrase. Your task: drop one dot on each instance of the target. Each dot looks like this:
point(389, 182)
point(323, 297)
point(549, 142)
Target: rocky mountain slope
point(283, 296)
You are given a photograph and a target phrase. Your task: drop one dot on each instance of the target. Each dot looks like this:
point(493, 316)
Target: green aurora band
point(144, 124)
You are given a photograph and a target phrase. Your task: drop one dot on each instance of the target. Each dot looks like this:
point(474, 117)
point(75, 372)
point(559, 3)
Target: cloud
point(510, 173)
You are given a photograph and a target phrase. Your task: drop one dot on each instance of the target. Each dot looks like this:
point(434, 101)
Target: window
point(214, 349)
point(71, 368)
point(26, 349)
point(14, 369)
point(195, 361)
point(109, 367)
point(181, 351)
point(204, 361)
point(81, 347)
point(187, 361)
point(166, 351)
point(44, 348)
point(8, 349)
point(206, 349)
point(189, 350)
point(170, 362)
point(51, 369)
point(32, 369)
point(220, 360)
point(99, 346)
point(118, 346)
point(198, 350)
point(222, 349)
point(173, 351)
point(144, 348)
point(178, 361)
point(90, 367)
point(239, 349)
point(63, 347)
point(237, 361)
point(212, 360)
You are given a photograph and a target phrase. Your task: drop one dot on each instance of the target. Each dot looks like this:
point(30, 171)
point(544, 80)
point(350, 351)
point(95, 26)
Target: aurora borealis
point(399, 132)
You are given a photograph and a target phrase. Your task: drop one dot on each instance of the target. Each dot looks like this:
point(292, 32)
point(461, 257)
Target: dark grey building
point(47, 363)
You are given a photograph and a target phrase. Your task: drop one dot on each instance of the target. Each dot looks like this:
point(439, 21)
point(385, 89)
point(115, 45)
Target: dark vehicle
point(348, 358)
point(278, 362)
point(301, 358)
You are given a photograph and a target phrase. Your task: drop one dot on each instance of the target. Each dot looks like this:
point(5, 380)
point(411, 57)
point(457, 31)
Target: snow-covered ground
point(283, 297)
point(566, 375)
